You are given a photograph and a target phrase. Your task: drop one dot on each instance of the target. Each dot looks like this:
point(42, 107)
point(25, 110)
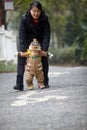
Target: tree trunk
point(2, 14)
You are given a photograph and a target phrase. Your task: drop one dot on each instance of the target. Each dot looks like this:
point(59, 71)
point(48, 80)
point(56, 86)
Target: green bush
point(84, 53)
point(7, 67)
point(63, 56)
point(81, 49)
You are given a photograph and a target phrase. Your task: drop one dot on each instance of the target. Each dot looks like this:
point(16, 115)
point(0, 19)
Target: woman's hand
point(43, 53)
point(18, 53)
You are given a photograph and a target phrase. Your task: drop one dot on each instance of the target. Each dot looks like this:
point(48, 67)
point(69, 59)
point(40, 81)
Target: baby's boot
point(30, 87)
point(41, 86)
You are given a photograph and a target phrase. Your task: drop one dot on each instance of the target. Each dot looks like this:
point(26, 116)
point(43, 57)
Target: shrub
point(7, 67)
point(84, 53)
point(63, 56)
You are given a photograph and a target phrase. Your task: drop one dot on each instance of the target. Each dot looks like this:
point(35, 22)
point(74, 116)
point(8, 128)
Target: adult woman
point(34, 24)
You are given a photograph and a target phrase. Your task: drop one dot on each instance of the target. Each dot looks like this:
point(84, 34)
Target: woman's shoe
point(20, 88)
point(47, 86)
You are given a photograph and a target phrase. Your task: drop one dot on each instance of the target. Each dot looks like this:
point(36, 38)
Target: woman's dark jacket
point(27, 31)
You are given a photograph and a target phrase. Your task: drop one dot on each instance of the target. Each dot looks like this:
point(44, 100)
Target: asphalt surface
point(63, 106)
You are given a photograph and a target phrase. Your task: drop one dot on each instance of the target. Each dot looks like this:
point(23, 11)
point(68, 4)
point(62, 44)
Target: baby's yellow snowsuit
point(34, 65)
point(34, 68)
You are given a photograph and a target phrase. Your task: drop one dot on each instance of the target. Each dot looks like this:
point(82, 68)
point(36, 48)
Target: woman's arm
point(22, 34)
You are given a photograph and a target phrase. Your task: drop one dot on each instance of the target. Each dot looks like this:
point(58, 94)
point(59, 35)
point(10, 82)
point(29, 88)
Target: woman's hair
point(36, 4)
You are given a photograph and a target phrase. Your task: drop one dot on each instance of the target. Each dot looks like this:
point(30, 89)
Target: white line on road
point(26, 98)
point(53, 74)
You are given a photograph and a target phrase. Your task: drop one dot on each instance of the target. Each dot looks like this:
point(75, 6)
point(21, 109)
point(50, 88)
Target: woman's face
point(35, 12)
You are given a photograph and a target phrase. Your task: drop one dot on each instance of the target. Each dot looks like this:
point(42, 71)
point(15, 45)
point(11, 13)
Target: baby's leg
point(29, 80)
point(40, 79)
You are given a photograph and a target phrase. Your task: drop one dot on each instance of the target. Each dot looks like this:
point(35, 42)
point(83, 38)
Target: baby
point(34, 65)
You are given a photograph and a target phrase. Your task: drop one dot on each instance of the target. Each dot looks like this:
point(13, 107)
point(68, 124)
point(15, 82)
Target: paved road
point(61, 107)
